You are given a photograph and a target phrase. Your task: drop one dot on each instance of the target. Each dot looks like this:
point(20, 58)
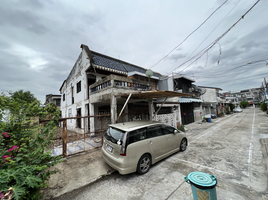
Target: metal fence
point(75, 135)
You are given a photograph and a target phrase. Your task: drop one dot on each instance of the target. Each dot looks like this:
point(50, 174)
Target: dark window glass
point(168, 130)
point(114, 135)
point(154, 131)
point(57, 102)
point(78, 88)
point(136, 135)
point(63, 97)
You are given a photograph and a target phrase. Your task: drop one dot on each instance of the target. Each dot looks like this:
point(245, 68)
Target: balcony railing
point(114, 81)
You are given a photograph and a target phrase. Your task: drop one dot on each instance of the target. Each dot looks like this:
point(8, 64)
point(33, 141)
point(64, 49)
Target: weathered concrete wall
point(77, 74)
point(166, 84)
point(210, 95)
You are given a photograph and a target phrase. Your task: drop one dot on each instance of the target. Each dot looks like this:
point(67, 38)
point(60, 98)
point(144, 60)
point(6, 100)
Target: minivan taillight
point(123, 151)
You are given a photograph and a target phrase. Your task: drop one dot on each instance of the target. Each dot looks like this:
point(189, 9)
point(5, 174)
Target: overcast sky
point(40, 40)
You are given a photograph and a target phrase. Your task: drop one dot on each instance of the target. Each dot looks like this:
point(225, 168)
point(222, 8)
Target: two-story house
point(212, 100)
point(53, 98)
point(187, 109)
point(102, 85)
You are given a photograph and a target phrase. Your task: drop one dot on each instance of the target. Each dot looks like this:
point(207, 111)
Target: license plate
point(109, 148)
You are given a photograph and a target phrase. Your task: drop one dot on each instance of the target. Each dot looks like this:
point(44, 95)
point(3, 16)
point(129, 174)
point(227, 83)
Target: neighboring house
point(253, 96)
point(185, 109)
point(213, 101)
point(53, 98)
point(94, 86)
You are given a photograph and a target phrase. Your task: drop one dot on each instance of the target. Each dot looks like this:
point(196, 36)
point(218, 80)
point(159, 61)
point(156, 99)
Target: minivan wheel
point(144, 164)
point(183, 145)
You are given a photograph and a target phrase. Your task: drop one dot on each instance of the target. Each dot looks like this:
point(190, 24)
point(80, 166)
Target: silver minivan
point(134, 146)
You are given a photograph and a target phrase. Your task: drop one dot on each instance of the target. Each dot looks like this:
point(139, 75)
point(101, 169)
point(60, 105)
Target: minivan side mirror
point(175, 131)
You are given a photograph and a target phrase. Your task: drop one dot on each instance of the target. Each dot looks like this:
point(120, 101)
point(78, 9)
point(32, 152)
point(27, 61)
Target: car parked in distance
point(134, 146)
point(213, 116)
point(238, 110)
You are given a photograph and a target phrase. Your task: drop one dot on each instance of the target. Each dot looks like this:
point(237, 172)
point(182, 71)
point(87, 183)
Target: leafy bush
point(232, 107)
point(263, 106)
point(244, 104)
point(24, 159)
point(228, 110)
point(181, 128)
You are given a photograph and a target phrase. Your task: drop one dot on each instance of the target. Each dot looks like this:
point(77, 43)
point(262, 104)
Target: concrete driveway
point(228, 148)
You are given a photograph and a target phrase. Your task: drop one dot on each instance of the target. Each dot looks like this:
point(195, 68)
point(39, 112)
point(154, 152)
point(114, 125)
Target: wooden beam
point(160, 107)
point(123, 107)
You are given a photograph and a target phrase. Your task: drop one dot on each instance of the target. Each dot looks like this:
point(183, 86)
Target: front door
point(187, 114)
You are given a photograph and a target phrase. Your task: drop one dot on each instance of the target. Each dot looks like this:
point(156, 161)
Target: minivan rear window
point(114, 135)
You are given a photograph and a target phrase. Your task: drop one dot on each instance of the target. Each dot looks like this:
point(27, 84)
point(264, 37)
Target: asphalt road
point(228, 148)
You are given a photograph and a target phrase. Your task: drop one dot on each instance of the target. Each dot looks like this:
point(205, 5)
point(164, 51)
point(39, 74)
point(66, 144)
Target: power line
point(234, 68)
point(213, 29)
point(202, 52)
point(258, 75)
point(188, 35)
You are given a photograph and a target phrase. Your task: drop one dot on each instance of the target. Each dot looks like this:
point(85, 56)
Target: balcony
point(114, 84)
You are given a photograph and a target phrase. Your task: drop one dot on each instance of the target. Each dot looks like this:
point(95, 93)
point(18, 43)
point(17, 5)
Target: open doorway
point(90, 80)
point(79, 119)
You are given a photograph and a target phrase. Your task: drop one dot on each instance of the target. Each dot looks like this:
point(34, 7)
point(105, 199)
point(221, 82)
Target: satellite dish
point(149, 73)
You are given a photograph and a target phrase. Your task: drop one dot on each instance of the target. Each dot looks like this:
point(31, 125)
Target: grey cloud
point(21, 18)
point(175, 57)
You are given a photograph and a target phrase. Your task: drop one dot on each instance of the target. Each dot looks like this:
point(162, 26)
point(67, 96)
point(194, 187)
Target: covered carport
point(148, 96)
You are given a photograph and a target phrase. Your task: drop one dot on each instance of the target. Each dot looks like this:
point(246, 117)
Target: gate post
point(64, 138)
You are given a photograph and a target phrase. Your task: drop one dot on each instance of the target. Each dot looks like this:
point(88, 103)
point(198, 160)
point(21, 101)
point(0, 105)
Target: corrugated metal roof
point(153, 94)
point(189, 100)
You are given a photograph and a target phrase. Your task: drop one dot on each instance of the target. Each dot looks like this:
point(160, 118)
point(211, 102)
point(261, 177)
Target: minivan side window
point(168, 130)
point(137, 135)
point(154, 131)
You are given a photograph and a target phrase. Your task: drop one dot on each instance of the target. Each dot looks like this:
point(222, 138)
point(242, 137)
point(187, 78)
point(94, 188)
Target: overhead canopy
point(154, 94)
point(189, 100)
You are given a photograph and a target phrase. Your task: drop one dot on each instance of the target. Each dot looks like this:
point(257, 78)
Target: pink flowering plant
point(24, 160)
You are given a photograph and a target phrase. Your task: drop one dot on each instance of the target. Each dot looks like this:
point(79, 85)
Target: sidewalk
point(76, 172)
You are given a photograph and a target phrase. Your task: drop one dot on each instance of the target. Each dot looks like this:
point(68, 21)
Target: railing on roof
point(114, 81)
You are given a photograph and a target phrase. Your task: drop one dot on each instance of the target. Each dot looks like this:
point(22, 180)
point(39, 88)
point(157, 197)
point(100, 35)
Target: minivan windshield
point(114, 134)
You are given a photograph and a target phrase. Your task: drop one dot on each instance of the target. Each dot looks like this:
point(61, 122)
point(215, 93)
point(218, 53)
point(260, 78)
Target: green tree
point(24, 155)
point(23, 96)
point(232, 106)
point(244, 104)
point(21, 99)
point(263, 106)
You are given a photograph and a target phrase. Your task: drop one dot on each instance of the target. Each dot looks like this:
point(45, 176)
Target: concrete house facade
point(53, 98)
point(94, 86)
point(186, 109)
point(213, 101)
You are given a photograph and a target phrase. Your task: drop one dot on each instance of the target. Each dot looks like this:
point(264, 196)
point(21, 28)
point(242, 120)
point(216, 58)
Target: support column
point(113, 104)
point(151, 109)
point(179, 113)
point(91, 119)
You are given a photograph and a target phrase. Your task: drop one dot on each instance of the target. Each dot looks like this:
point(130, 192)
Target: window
point(168, 130)
point(72, 95)
point(154, 131)
point(136, 135)
point(78, 87)
point(63, 97)
point(57, 102)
